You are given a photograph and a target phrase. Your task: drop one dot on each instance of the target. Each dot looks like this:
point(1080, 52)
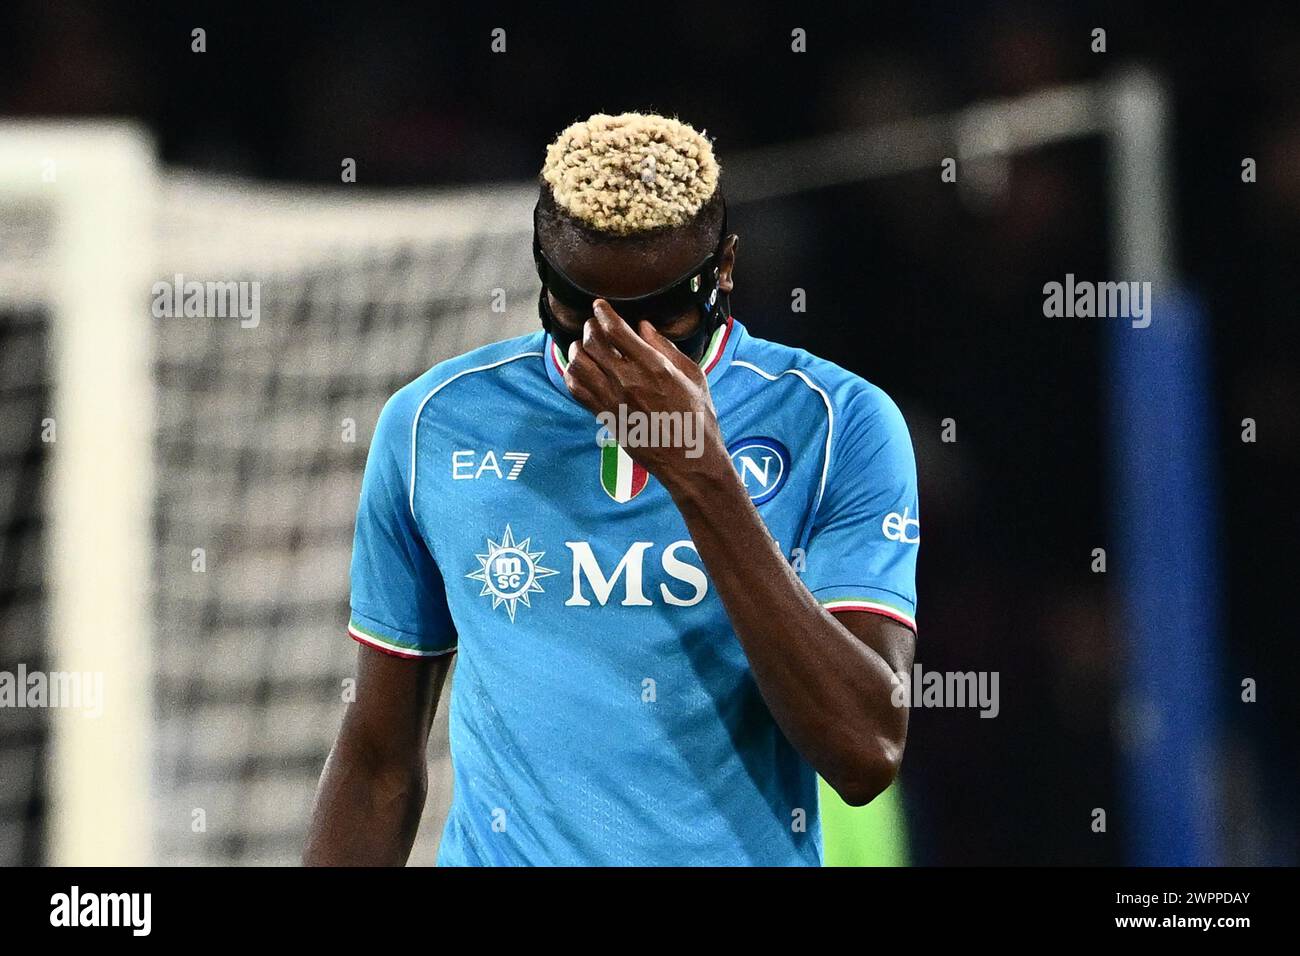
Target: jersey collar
point(717, 356)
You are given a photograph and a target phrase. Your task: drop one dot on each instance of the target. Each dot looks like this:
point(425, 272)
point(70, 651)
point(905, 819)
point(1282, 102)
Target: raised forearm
point(829, 692)
point(826, 688)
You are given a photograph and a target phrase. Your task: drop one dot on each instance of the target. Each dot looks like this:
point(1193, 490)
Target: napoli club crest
point(763, 465)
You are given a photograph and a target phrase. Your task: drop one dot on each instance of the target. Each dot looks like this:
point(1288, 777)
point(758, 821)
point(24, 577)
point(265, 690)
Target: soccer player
point(661, 643)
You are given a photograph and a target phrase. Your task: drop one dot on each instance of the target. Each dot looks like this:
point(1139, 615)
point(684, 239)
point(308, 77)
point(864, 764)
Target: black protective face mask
point(692, 346)
point(698, 288)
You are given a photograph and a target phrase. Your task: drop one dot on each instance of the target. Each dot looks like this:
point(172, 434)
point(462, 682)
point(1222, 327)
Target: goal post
point(94, 184)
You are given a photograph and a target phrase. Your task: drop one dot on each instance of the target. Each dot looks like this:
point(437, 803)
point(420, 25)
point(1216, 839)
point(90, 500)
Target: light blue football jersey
point(602, 709)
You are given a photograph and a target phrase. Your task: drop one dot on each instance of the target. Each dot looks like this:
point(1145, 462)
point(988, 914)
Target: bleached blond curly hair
point(632, 173)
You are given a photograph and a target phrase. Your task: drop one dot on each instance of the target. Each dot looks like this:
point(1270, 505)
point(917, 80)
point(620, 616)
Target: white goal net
point(256, 427)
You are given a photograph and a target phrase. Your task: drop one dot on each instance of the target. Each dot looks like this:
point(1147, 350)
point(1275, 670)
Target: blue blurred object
point(1164, 523)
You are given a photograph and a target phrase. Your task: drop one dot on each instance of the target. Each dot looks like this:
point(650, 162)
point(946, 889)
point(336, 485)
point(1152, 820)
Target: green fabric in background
point(874, 835)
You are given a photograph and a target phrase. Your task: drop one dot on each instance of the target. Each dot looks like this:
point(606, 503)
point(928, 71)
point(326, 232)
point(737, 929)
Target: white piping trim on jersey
point(830, 416)
point(415, 422)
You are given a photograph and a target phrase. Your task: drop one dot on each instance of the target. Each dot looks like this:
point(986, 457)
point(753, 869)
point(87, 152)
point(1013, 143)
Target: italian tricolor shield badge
point(621, 477)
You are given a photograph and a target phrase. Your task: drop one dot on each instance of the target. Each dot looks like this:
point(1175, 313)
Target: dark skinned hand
point(614, 365)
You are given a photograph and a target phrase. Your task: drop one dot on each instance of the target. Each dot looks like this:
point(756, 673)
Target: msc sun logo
point(509, 572)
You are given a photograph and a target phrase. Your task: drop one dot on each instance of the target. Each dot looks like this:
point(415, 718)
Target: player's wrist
point(702, 479)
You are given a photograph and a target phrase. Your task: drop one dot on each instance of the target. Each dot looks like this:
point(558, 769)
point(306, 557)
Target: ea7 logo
point(898, 527)
point(631, 569)
point(466, 465)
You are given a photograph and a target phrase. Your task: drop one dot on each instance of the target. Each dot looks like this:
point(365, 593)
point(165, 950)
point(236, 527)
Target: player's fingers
point(583, 372)
point(588, 398)
point(612, 327)
point(604, 352)
point(656, 340)
point(584, 367)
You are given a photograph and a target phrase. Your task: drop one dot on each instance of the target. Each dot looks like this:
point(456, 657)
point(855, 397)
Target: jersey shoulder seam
point(419, 409)
point(826, 401)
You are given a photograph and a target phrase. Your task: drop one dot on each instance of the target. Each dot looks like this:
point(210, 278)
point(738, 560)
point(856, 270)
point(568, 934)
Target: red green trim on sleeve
point(389, 645)
point(871, 607)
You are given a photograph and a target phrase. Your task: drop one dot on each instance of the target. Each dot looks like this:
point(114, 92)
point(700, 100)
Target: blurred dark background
point(937, 302)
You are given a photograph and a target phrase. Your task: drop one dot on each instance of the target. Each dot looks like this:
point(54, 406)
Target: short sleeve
point(399, 603)
point(861, 552)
